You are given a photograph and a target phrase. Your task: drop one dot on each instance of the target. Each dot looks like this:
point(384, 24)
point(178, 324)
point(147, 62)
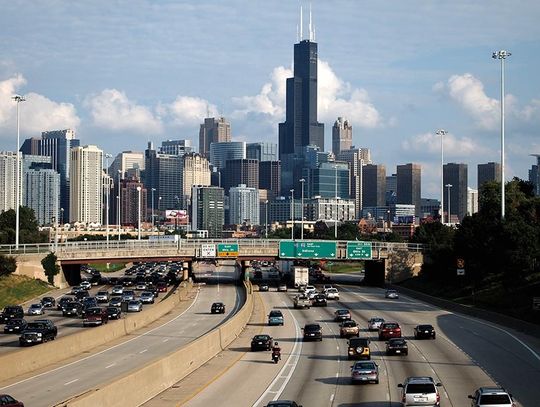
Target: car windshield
point(495, 399)
point(261, 337)
point(364, 365)
point(349, 323)
point(358, 342)
point(35, 325)
point(276, 314)
point(397, 341)
point(94, 311)
point(312, 328)
point(342, 312)
point(421, 388)
point(425, 327)
point(35, 306)
point(390, 291)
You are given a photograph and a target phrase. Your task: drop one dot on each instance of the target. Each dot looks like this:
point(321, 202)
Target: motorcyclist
point(276, 350)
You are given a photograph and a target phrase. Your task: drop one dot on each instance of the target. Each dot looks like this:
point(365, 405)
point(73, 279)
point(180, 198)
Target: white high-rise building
point(86, 184)
point(341, 135)
point(8, 187)
point(244, 205)
point(195, 171)
point(126, 160)
point(472, 201)
point(357, 158)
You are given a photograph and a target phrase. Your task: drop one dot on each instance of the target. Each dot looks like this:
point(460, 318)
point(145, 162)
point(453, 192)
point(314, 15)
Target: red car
point(161, 287)
point(389, 330)
point(9, 401)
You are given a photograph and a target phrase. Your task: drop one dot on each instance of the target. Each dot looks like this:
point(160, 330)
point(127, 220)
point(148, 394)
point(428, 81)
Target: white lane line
point(144, 350)
point(332, 397)
point(104, 350)
point(165, 340)
point(111, 365)
point(73, 381)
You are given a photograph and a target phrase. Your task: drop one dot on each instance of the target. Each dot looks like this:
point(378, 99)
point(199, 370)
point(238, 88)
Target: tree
point(8, 265)
point(50, 267)
point(28, 227)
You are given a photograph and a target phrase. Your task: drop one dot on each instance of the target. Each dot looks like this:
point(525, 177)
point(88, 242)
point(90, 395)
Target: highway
point(467, 354)
point(75, 377)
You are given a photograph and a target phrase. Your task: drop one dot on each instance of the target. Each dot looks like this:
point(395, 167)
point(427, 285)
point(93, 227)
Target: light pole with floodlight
point(442, 133)
point(302, 181)
point(107, 196)
point(448, 186)
point(18, 99)
point(139, 212)
point(336, 220)
point(502, 55)
point(292, 214)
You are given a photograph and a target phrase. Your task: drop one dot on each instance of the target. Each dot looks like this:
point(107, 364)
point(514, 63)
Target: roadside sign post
point(359, 251)
point(460, 263)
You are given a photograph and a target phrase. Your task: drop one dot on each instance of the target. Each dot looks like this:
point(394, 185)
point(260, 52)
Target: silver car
point(135, 306)
point(117, 290)
point(374, 323)
point(35, 309)
point(102, 296)
point(491, 396)
point(364, 372)
point(392, 294)
point(420, 391)
point(147, 297)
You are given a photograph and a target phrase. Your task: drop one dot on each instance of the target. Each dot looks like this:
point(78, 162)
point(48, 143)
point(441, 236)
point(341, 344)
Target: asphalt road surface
point(468, 353)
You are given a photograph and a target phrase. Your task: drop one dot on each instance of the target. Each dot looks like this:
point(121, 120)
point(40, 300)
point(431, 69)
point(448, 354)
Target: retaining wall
point(36, 357)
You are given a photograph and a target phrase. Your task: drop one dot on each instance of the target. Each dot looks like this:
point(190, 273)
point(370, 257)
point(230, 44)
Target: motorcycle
point(276, 356)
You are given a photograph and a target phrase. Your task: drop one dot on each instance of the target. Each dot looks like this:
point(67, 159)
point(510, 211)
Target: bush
point(8, 265)
point(50, 267)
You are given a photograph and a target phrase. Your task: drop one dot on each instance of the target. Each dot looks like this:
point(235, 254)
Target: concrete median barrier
point(26, 360)
point(146, 382)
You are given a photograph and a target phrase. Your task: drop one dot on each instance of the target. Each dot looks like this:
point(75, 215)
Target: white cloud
point(111, 109)
point(453, 146)
point(38, 113)
point(188, 111)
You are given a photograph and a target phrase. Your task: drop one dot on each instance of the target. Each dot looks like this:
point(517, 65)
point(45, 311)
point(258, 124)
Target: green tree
point(50, 267)
point(8, 265)
point(440, 242)
point(28, 227)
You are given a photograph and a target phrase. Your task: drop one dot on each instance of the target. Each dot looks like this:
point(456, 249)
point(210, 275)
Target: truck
point(300, 276)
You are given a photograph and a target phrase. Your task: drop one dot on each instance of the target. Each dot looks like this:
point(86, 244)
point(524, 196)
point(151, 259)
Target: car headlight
point(359, 349)
point(39, 335)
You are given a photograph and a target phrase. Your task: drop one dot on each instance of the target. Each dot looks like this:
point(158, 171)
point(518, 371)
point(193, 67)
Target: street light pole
point(153, 189)
point(18, 99)
point(139, 212)
point(448, 186)
point(335, 223)
point(302, 211)
point(442, 133)
point(266, 218)
point(502, 55)
point(292, 214)
point(107, 196)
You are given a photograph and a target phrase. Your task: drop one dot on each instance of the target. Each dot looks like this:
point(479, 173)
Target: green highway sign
point(227, 250)
point(359, 250)
point(304, 249)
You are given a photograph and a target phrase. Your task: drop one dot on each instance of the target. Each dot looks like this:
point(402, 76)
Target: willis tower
point(301, 128)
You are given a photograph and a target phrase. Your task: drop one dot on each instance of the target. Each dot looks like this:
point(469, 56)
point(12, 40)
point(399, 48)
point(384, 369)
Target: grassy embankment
point(102, 268)
point(18, 289)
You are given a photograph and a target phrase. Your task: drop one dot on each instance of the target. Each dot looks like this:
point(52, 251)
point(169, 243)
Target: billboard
point(176, 213)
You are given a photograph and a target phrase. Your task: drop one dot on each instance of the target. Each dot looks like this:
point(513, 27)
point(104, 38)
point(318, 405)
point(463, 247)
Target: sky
point(123, 73)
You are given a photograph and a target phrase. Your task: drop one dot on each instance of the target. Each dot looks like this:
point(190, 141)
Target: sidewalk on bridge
point(183, 391)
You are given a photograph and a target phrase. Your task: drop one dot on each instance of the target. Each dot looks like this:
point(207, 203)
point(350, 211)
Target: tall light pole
point(442, 133)
point(448, 186)
point(502, 55)
point(302, 181)
point(153, 189)
point(107, 196)
point(335, 223)
point(139, 212)
point(292, 214)
point(119, 204)
point(18, 99)
point(266, 218)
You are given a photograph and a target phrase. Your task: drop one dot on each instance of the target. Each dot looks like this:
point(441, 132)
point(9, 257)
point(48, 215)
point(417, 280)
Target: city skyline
point(396, 73)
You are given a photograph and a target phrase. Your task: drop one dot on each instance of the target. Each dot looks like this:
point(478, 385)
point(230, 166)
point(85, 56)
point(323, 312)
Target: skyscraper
point(456, 175)
point(391, 189)
point(409, 177)
point(176, 147)
point(41, 189)
point(341, 136)
point(86, 184)
point(356, 158)
point(244, 205)
point(262, 151)
point(195, 171)
point(8, 194)
point(213, 131)
point(125, 161)
point(373, 185)
point(270, 177)
point(207, 209)
point(534, 175)
point(488, 172)
point(236, 172)
point(221, 152)
point(164, 174)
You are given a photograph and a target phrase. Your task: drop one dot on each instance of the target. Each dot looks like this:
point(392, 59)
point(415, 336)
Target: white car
point(393, 294)
point(309, 289)
point(312, 294)
point(331, 293)
point(374, 323)
point(86, 285)
point(35, 309)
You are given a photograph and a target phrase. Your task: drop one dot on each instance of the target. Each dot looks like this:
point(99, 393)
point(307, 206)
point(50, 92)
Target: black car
point(261, 342)
point(264, 287)
point(319, 301)
point(15, 326)
point(218, 308)
point(63, 301)
point(80, 295)
point(72, 309)
point(38, 331)
point(114, 312)
point(48, 302)
point(312, 332)
point(283, 403)
point(10, 312)
point(397, 346)
point(424, 331)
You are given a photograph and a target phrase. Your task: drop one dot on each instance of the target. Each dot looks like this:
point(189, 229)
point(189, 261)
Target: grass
point(18, 289)
point(102, 268)
point(339, 267)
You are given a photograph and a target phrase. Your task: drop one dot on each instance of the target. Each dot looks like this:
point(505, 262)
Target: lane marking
point(165, 340)
point(111, 365)
point(73, 381)
point(332, 397)
point(144, 350)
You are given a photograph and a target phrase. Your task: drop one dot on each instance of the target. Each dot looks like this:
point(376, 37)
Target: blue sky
point(123, 73)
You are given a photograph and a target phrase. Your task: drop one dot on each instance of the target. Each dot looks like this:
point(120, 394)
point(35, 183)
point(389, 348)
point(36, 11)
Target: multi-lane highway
point(467, 354)
point(101, 367)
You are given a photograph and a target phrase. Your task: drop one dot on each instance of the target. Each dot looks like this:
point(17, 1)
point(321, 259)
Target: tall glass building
point(221, 152)
point(41, 189)
point(262, 151)
point(244, 205)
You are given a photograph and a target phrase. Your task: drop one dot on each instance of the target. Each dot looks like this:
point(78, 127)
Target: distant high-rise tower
point(244, 205)
point(176, 147)
point(409, 177)
point(357, 158)
point(236, 172)
point(391, 189)
point(213, 131)
point(262, 151)
point(195, 171)
point(125, 161)
point(373, 185)
point(341, 136)
point(86, 184)
point(8, 194)
point(488, 172)
point(270, 177)
point(456, 175)
point(221, 152)
point(41, 189)
point(164, 174)
point(534, 175)
point(207, 209)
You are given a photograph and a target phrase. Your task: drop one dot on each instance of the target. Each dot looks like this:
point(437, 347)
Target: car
point(128, 295)
point(389, 330)
point(319, 301)
point(147, 297)
point(308, 289)
point(89, 302)
point(161, 286)
point(365, 372)
point(115, 302)
point(10, 312)
point(420, 391)
point(491, 397)
point(393, 294)
point(217, 308)
point(102, 296)
point(275, 317)
point(48, 302)
point(312, 294)
point(358, 348)
point(127, 281)
point(283, 403)
point(327, 287)
point(264, 287)
point(38, 331)
point(374, 323)
point(282, 287)
point(85, 285)
point(35, 309)
point(117, 290)
point(7, 401)
point(63, 301)
point(397, 346)
point(76, 289)
point(424, 331)
point(134, 306)
point(331, 293)
point(312, 332)
point(114, 312)
point(342, 315)
point(349, 328)
point(261, 342)
point(141, 286)
point(72, 309)
point(95, 316)
point(301, 301)
point(15, 326)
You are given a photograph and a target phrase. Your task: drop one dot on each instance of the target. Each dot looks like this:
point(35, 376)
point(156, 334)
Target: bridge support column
point(375, 273)
point(186, 268)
